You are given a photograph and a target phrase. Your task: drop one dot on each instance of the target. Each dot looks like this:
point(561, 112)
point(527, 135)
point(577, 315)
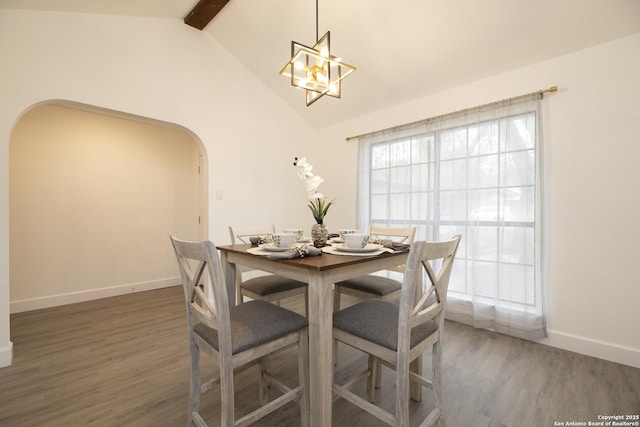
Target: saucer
point(269, 247)
point(370, 247)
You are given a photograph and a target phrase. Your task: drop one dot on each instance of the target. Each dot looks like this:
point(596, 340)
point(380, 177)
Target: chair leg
point(263, 386)
point(239, 296)
point(374, 377)
point(436, 366)
point(416, 388)
point(303, 377)
point(402, 394)
point(227, 403)
point(194, 391)
point(378, 374)
point(336, 299)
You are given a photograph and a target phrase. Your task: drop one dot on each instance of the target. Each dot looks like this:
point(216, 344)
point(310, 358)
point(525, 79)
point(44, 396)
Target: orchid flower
point(311, 184)
point(304, 168)
point(318, 205)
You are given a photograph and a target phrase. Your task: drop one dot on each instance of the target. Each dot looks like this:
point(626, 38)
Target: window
point(474, 173)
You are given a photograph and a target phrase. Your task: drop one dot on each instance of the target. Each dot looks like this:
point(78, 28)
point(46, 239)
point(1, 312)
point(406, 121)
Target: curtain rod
point(541, 92)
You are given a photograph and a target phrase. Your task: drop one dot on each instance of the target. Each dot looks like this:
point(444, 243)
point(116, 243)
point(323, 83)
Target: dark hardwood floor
point(124, 361)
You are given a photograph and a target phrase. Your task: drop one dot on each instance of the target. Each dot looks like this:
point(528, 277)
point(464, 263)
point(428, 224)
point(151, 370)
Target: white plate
point(304, 240)
point(270, 248)
point(336, 240)
point(371, 247)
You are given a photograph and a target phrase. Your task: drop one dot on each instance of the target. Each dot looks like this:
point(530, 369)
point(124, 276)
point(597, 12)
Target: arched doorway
point(93, 196)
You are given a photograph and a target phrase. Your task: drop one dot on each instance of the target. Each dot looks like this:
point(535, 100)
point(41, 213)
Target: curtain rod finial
point(551, 89)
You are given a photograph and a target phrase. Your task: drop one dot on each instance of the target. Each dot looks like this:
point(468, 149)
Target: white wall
point(592, 147)
point(164, 70)
point(93, 198)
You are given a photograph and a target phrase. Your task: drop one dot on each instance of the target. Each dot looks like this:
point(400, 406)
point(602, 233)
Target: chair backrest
point(397, 234)
point(243, 234)
point(197, 262)
point(418, 305)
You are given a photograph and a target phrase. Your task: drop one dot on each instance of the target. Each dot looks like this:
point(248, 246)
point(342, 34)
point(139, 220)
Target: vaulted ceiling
point(403, 49)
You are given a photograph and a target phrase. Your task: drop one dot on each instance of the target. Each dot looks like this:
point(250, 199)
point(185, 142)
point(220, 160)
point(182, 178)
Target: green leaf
point(319, 209)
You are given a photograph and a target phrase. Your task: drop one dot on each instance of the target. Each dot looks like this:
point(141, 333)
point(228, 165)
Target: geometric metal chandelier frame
point(315, 69)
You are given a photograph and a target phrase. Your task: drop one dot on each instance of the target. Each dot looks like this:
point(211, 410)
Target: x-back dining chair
point(236, 337)
point(395, 335)
point(371, 285)
point(270, 288)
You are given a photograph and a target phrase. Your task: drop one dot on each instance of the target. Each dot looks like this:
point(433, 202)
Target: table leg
point(320, 349)
point(230, 277)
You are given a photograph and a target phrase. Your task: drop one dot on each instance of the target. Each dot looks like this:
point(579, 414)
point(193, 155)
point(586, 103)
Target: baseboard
point(89, 294)
point(601, 349)
point(6, 355)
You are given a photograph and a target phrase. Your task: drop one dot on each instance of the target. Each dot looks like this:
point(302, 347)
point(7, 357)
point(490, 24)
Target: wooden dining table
point(320, 272)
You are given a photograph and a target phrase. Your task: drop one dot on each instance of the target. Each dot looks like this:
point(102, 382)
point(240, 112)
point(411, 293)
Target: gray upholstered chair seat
point(254, 323)
point(377, 321)
point(265, 285)
point(271, 288)
point(376, 285)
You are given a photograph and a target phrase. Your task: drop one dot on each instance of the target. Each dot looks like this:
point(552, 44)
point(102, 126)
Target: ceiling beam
point(204, 12)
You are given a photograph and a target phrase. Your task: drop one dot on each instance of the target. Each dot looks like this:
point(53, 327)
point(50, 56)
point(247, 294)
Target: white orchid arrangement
point(318, 205)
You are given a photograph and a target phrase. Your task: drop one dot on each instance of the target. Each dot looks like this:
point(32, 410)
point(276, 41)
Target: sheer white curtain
point(476, 173)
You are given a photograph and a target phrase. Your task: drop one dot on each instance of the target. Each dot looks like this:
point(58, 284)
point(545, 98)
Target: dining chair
point(236, 337)
point(395, 335)
point(374, 286)
point(371, 285)
point(270, 288)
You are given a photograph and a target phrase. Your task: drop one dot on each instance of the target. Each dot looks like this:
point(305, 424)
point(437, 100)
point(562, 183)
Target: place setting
point(289, 244)
point(354, 243)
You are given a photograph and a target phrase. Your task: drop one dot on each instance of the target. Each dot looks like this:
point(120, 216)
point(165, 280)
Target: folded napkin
point(395, 246)
point(259, 240)
point(297, 252)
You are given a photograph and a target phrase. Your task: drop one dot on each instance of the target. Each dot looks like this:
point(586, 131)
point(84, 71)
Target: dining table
point(320, 273)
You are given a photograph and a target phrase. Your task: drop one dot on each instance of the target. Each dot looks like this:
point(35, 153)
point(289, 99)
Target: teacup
point(297, 231)
point(284, 240)
point(356, 240)
point(344, 231)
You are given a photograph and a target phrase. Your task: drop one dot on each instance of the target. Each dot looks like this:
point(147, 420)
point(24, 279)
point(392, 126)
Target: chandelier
point(314, 69)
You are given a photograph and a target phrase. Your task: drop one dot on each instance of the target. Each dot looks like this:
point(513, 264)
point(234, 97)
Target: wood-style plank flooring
point(124, 361)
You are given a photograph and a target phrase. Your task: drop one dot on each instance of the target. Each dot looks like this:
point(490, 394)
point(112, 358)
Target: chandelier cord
point(316, 20)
